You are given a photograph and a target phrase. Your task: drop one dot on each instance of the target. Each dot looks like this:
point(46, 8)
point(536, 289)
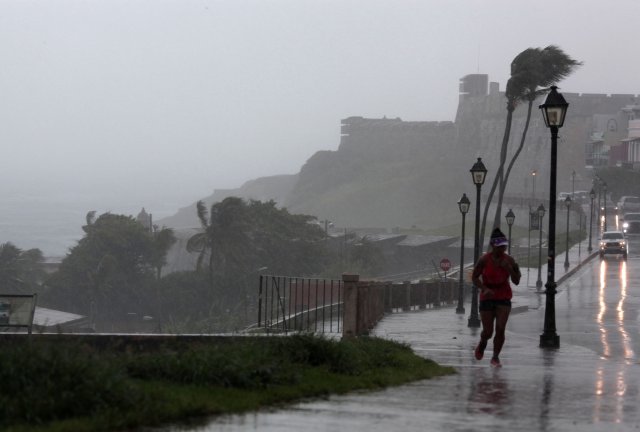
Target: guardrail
point(349, 307)
point(300, 304)
point(366, 302)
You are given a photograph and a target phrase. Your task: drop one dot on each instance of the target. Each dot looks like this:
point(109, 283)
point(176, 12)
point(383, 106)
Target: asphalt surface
point(591, 383)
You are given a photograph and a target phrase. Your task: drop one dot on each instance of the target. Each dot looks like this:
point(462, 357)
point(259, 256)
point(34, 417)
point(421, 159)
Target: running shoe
point(479, 352)
point(495, 362)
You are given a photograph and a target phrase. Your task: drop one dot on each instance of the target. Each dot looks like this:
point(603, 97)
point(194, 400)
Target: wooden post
point(436, 303)
point(407, 296)
point(388, 299)
point(350, 323)
point(423, 294)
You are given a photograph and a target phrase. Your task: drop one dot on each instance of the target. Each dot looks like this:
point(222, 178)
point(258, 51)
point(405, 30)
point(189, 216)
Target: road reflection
point(613, 286)
point(547, 389)
point(489, 393)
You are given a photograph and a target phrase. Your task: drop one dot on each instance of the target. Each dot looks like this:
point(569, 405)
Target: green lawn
point(52, 384)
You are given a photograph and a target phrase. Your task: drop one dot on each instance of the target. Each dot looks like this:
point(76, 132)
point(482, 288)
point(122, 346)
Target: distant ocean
point(53, 223)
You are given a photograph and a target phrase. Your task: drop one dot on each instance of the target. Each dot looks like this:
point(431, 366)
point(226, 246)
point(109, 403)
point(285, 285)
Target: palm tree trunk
point(211, 266)
point(498, 177)
point(513, 159)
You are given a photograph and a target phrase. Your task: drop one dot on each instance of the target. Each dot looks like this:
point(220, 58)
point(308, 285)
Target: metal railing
point(293, 304)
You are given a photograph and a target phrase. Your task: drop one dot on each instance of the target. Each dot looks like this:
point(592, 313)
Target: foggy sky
point(147, 101)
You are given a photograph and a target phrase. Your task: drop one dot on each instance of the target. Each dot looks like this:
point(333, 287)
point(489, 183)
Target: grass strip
point(56, 386)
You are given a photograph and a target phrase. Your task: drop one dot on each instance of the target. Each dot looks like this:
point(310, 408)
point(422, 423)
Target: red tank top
point(497, 279)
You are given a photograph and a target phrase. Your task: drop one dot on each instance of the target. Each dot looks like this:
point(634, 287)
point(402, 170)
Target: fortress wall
point(478, 132)
point(395, 137)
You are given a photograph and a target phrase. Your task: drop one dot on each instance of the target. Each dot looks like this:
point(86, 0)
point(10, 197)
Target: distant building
point(145, 219)
point(474, 85)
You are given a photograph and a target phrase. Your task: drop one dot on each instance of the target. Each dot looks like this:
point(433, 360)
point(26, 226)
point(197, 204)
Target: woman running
point(491, 275)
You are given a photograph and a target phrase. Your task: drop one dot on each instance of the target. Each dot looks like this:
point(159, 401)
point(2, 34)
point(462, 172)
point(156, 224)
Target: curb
point(568, 274)
point(576, 268)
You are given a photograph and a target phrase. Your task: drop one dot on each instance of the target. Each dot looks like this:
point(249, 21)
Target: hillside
point(391, 173)
point(275, 188)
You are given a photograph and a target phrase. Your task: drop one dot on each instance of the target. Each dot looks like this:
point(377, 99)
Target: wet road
point(592, 383)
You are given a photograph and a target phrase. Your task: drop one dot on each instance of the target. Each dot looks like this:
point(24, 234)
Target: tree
point(110, 271)
point(21, 272)
point(288, 244)
point(223, 236)
point(238, 238)
point(162, 240)
point(532, 71)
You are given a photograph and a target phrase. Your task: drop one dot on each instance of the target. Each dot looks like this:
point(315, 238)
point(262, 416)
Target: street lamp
point(478, 174)
point(598, 185)
point(510, 217)
point(533, 174)
point(604, 192)
point(592, 195)
point(567, 202)
point(463, 205)
point(541, 212)
point(573, 184)
point(554, 110)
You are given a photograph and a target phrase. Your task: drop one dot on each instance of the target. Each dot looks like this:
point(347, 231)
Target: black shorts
point(490, 305)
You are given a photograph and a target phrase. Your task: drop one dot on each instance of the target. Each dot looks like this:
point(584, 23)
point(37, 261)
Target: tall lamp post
point(478, 174)
point(567, 202)
point(604, 192)
point(554, 110)
point(598, 185)
point(533, 174)
point(541, 211)
point(592, 195)
point(510, 217)
point(463, 205)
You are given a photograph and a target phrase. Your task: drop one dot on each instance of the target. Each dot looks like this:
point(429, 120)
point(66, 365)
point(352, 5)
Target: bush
point(42, 382)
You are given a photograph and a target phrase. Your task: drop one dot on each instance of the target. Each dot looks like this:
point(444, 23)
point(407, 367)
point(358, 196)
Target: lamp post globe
point(554, 110)
point(567, 203)
point(540, 211)
point(510, 217)
point(478, 175)
point(592, 196)
point(463, 206)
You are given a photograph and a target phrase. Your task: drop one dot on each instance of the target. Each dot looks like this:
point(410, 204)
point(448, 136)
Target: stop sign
point(445, 264)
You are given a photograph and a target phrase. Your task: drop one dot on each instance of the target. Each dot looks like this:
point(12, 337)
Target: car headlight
point(625, 225)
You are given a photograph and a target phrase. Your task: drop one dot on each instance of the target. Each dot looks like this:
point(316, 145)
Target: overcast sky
point(151, 100)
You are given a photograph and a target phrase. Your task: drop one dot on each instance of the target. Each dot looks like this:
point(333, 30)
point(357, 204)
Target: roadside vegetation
point(56, 384)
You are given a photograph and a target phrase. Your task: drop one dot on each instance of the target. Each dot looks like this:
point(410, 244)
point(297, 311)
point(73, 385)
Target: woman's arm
point(477, 275)
point(514, 270)
point(477, 272)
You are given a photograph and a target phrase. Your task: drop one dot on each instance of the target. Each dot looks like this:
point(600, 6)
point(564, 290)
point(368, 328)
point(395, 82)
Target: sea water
point(53, 223)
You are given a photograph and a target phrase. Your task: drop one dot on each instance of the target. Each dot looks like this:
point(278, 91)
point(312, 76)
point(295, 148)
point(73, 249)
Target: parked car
point(631, 223)
point(613, 243)
point(629, 204)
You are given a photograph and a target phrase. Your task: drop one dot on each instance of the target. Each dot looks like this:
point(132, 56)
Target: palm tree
point(224, 225)
point(162, 240)
point(532, 72)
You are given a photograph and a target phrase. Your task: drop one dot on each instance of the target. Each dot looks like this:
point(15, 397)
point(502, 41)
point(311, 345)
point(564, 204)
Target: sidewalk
point(569, 389)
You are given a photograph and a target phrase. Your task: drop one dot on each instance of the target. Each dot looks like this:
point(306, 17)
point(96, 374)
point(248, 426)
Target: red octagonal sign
point(445, 264)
